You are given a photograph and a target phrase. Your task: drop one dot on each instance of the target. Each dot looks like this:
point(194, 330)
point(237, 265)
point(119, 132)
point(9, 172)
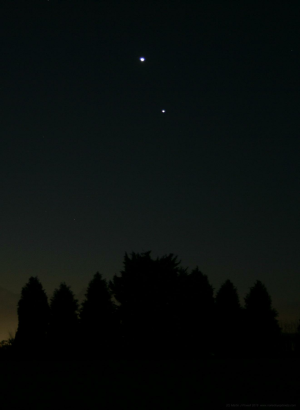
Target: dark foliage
point(229, 330)
point(196, 315)
point(297, 341)
point(161, 312)
point(63, 326)
point(262, 336)
point(146, 291)
point(6, 350)
point(33, 315)
point(98, 321)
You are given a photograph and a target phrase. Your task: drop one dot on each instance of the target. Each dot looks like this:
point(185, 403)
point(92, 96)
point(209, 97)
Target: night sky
point(92, 168)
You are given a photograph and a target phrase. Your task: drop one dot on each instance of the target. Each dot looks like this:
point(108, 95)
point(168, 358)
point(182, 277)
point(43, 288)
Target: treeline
point(162, 312)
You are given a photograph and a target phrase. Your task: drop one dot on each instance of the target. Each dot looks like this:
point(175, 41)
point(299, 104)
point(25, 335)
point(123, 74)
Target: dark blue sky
point(91, 168)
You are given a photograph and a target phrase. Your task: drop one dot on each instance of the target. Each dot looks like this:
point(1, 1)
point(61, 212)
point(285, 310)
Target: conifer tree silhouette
point(297, 341)
point(33, 315)
point(197, 319)
point(98, 321)
point(228, 321)
point(63, 326)
point(146, 291)
point(263, 334)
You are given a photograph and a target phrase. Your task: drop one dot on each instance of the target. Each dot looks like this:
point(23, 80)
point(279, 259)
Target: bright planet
point(142, 59)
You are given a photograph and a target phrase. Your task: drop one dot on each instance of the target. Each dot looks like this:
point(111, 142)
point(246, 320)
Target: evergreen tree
point(146, 291)
point(98, 320)
point(297, 341)
point(196, 324)
point(33, 315)
point(263, 334)
point(228, 321)
point(63, 326)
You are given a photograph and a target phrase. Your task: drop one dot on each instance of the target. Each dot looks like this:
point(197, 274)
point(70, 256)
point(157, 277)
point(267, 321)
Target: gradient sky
point(91, 168)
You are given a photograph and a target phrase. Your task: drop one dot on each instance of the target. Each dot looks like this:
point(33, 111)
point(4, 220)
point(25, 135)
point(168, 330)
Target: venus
point(142, 59)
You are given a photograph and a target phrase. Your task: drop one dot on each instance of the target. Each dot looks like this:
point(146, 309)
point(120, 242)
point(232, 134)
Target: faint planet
point(163, 110)
point(142, 59)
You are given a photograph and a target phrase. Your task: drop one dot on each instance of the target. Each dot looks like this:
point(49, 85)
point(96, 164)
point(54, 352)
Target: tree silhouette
point(33, 315)
point(228, 321)
point(6, 348)
point(146, 291)
point(196, 319)
point(98, 320)
point(162, 312)
point(297, 341)
point(263, 334)
point(63, 325)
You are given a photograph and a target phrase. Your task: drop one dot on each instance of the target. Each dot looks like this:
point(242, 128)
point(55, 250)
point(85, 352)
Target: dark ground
point(150, 384)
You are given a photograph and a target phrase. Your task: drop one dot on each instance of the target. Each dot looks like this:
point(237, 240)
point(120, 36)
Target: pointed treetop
point(227, 296)
point(258, 299)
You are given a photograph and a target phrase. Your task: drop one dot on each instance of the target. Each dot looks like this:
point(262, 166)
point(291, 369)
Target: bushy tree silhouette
point(63, 325)
point(196, 320)
point(6, 349)
point(146, 291)
point(229, 331)
point(162, 312)
point(263, 334)
point(98, 321)
point(33, 315)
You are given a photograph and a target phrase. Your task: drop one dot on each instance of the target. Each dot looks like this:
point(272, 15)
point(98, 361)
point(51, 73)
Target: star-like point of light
point(142, 59)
